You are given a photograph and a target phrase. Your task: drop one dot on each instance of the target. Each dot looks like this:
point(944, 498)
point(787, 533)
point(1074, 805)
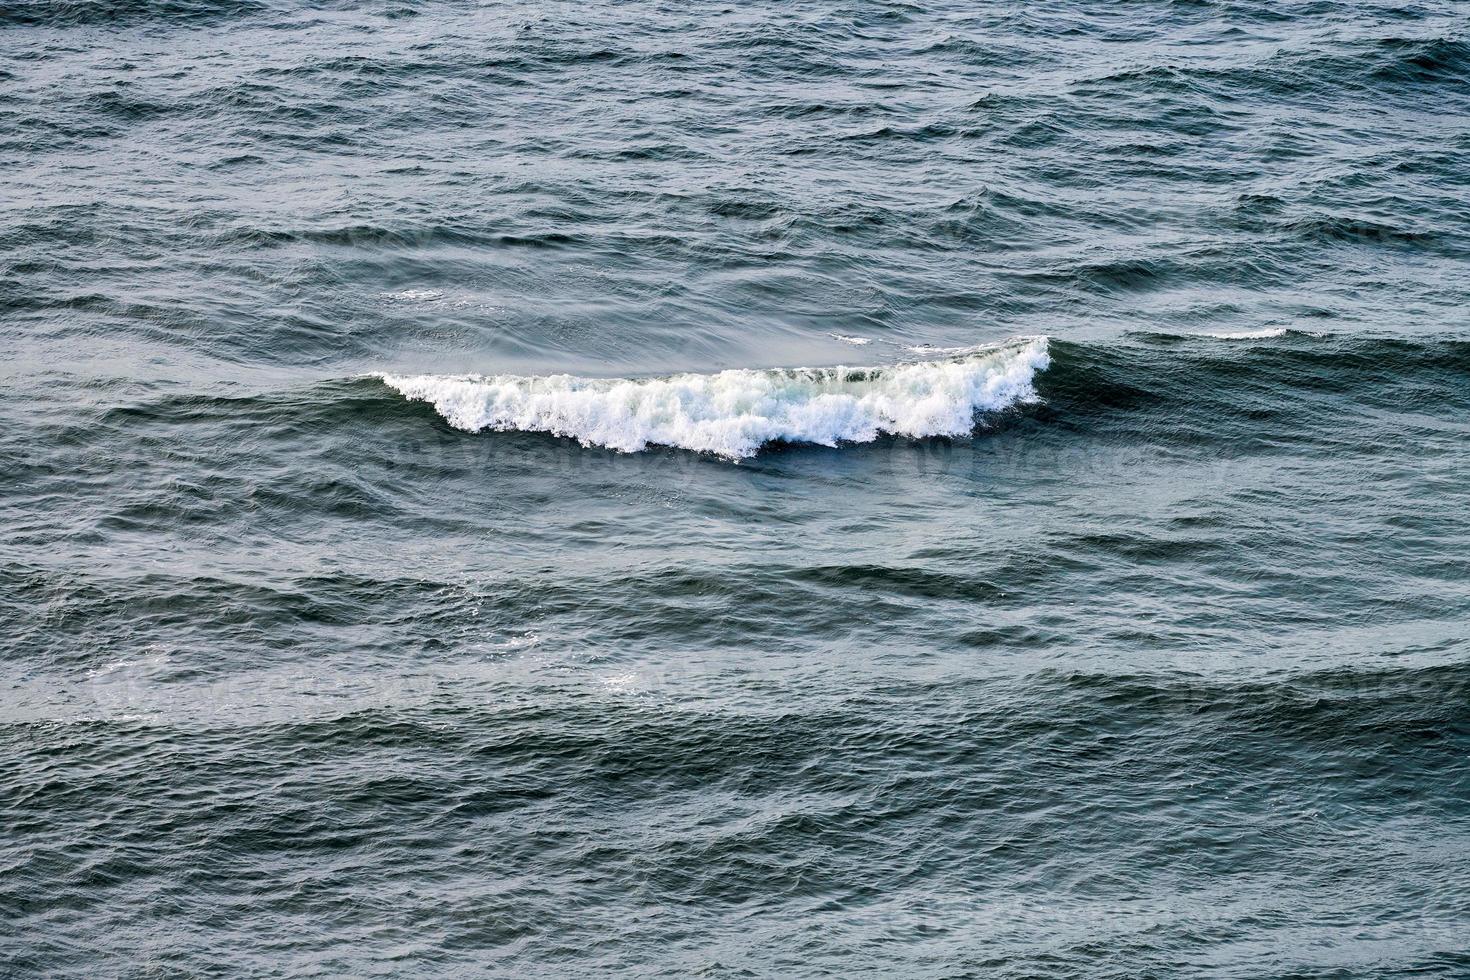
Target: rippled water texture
point(907, 489)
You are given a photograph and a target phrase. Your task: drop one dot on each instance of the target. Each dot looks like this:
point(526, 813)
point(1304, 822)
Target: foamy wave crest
point(734, 413)
point(1264, 334)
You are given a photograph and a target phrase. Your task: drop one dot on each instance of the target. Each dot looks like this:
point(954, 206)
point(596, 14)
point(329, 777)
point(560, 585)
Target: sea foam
point(1263, 334)
point(733, 413)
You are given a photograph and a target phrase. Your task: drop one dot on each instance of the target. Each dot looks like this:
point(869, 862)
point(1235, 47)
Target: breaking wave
point(1267, 333)
point(733, 413)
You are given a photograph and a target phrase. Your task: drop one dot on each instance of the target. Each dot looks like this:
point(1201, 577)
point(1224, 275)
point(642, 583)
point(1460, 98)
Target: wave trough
point(734, 413)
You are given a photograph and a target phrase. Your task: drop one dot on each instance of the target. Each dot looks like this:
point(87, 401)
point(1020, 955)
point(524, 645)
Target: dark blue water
point(909, 489)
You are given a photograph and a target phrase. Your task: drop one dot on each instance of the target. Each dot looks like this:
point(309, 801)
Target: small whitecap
point(620, 682)
point(415, 295)
point(1264, 334)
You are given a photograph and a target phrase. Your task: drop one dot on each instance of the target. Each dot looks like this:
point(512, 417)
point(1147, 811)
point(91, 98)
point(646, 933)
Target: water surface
point(910, 489)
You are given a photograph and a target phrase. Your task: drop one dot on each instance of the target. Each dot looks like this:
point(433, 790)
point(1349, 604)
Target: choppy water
point(915, 489)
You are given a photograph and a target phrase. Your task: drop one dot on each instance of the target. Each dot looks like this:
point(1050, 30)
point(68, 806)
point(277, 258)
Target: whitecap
point(733, 413)
point(1264, 334)
point(415, 295)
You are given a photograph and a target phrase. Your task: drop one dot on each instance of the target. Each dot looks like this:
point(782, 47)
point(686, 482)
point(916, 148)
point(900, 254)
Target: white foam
point(929, 350)
point(734, 413)
point(415, 295)
point(847, 339)
point(1265, 334)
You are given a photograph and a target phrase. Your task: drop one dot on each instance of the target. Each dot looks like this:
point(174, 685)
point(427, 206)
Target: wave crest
point(733, 413)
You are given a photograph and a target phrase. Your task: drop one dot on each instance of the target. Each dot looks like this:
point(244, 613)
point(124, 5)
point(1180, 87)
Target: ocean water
point(921, 489)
